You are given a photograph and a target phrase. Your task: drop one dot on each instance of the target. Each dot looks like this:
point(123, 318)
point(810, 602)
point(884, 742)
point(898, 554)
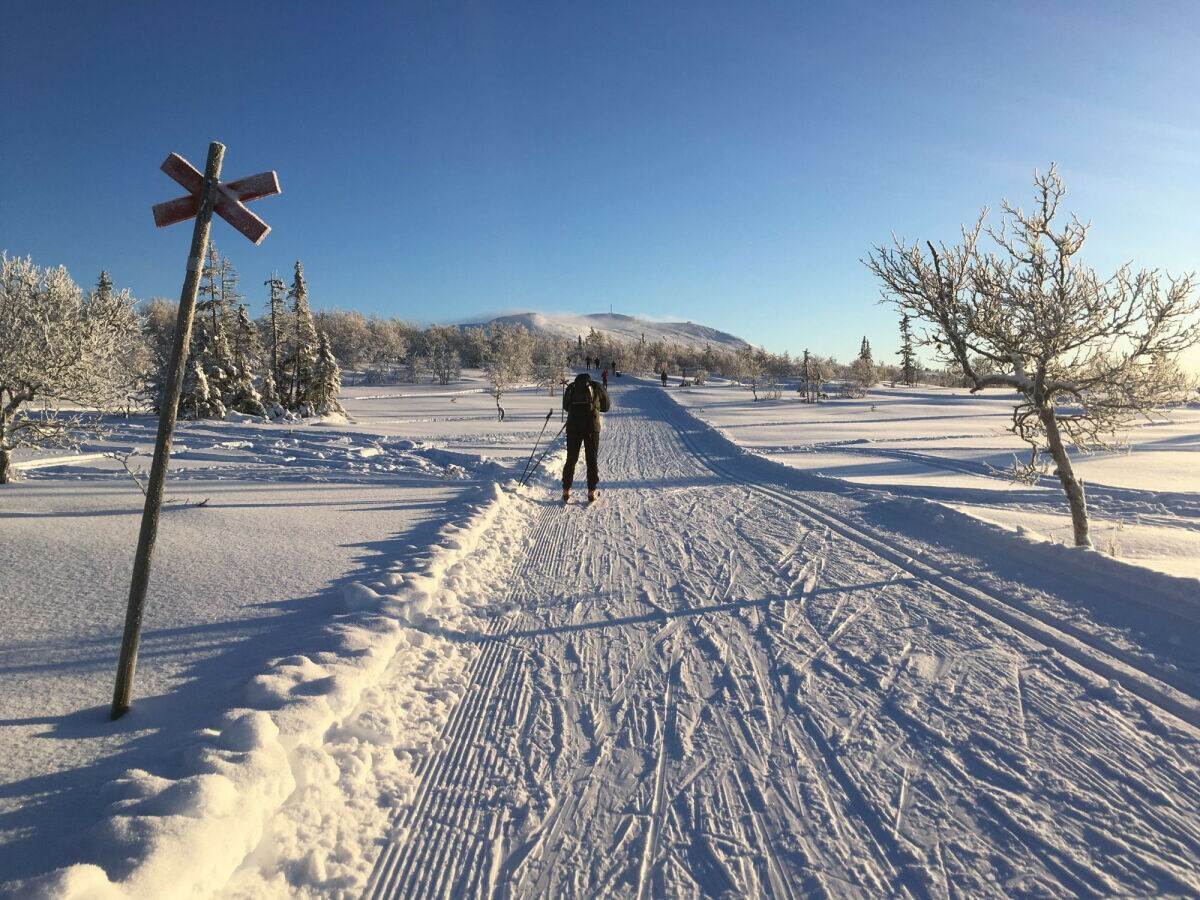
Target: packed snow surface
point(792, 650)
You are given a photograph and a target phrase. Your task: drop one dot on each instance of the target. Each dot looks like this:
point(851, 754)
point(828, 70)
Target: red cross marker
point(228, 202)
point(206, 195)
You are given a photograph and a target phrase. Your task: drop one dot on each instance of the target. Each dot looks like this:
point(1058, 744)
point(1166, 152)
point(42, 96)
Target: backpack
point(581, 400)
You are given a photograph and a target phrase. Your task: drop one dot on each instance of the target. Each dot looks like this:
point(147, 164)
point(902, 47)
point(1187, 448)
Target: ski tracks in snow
point(709, 685)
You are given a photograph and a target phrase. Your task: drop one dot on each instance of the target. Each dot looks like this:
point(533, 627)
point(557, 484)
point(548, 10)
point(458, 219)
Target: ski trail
point(708, 684)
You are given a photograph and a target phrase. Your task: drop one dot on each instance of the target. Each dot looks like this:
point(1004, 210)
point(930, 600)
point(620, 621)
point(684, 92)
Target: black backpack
point(582, 396)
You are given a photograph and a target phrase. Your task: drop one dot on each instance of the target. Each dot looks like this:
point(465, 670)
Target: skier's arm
point(604, 404)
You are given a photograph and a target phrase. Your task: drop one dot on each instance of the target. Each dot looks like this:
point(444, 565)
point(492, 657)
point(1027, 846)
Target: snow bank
point(187, 836)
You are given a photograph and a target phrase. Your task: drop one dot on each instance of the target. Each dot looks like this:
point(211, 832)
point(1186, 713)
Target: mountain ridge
point(624, 327)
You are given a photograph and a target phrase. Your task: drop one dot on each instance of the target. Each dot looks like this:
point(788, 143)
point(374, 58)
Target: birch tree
point(56, 344)
point(1086, 354)
point(507, 361)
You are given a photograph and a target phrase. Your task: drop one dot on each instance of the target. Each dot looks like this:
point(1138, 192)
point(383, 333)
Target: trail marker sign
point(206, 195)
point(228, 201)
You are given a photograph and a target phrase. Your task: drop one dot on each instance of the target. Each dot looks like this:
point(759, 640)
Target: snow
point(792, 649)
point(627, 329)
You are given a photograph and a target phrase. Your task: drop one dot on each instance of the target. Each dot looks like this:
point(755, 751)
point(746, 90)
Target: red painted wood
point(229, 209)
point(177, 210)
point(228, 203)
point(253, 187)
point(183, 172)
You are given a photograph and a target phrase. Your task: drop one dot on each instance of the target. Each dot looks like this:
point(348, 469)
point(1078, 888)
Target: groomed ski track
point(713, 684)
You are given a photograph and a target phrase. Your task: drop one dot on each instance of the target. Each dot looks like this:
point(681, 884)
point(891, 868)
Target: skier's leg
point(591, 446)
point(573, 442)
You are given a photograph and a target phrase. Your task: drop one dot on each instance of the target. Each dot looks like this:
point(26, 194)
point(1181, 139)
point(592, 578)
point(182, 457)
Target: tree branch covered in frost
point(507, 360)
point(58, 345)
point(1087, 354)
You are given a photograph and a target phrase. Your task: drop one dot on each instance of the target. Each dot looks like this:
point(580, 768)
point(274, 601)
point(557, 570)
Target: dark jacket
point(584, 400)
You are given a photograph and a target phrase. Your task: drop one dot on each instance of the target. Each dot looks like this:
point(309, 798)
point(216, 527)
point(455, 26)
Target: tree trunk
point(5, 464)
point(1066, 475)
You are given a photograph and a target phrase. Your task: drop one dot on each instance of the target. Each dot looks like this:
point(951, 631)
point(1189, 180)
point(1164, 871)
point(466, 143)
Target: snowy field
point(946, 445)
point(851, 661)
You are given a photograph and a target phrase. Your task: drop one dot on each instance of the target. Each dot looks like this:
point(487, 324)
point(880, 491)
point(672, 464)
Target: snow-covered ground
point(372, 663)
point(951, 447)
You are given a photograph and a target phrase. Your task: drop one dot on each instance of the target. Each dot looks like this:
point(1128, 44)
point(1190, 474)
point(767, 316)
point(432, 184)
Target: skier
point(664, 377)
point(584, 401)
point(604, 378)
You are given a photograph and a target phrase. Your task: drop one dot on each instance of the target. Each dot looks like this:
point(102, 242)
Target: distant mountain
point(625, 328)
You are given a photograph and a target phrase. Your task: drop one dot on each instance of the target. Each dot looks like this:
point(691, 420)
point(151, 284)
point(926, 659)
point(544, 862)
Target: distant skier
point(584, 401)
point(604, 378)
point(664, 377)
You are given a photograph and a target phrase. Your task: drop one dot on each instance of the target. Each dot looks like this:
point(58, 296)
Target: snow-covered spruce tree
point(327, 382)
point(1087, 354)
point(270, 396)
point(208, 361)
point(198, 400)
point(58, 345)
point(218, 295)
point(507, 361)
point(244, 344)
point(277, 327)
point(862, 370)
point(908, 357)
point(300, 356)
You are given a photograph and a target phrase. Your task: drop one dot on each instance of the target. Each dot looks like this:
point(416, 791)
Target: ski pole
point(524, 471)
point(547, 450)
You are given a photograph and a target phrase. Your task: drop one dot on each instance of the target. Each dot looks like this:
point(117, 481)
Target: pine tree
point(198, 400)
point(908, 358)
point(245, 346)
point(301, 357)
point(863, 369)
point(270, 395)
point(278, 314)
point(104, 286)
point(327, 381)
point(210, 361)
point(206, 295)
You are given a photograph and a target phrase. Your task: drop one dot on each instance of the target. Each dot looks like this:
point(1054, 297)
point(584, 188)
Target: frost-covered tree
point(270, 396)
point(441, 353)
point(862, 370)
point(811, 379)
point(327, 382)
point(300, 357)
point(198, 401)
point(508, 360)
point(549, 356)
point(908, 356)
point(58, 345)
point(245, 346)
point(348, 333)
point(1086, 354)
point(218, 295)
point(210, 358)
point(276, 323)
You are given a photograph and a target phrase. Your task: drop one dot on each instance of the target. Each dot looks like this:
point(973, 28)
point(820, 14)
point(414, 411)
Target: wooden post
point(123, 691)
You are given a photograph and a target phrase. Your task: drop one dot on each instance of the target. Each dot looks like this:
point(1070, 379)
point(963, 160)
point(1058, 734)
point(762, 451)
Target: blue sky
point(724, 163)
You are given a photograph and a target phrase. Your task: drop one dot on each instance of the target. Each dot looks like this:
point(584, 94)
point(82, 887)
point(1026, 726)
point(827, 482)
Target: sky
point(729, 164)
